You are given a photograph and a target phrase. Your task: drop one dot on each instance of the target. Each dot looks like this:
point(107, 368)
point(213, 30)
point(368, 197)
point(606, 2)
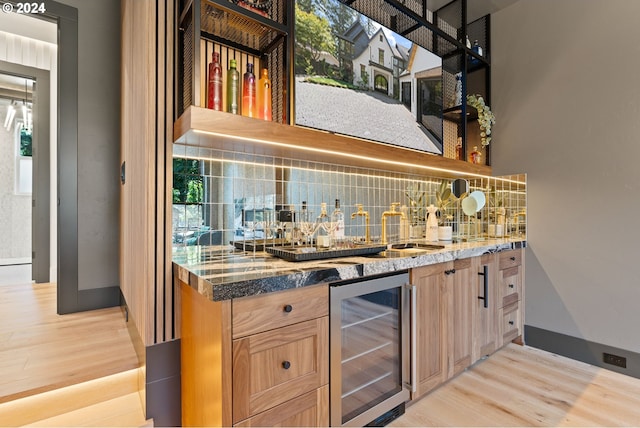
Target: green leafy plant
point(444, 199)
point(486, 118)
point(416, 194)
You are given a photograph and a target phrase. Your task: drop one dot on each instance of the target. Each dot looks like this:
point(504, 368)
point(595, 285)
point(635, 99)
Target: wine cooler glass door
point(367, 370)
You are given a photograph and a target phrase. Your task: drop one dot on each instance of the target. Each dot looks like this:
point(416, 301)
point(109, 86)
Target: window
point(363, 72)
point(381, 56)
point(380, 37)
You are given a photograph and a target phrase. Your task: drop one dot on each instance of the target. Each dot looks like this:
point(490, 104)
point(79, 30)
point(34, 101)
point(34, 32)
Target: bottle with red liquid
point(249, 101)
point(264, 96)
point(214, 87)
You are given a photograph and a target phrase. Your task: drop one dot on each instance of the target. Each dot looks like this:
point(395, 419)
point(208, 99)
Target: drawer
point(511, 317)
point(510, 285)
point(508, 259)
point(276, 366)
point(255, 314)
point(308, 410)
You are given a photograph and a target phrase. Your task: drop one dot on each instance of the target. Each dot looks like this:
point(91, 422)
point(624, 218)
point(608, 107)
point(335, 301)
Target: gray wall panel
point(98, 142)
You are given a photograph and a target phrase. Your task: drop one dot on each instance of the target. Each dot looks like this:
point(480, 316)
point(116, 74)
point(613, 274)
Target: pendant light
point(11, 112)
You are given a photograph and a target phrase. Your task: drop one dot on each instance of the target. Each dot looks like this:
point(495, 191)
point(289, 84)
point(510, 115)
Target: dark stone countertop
point(222, 272)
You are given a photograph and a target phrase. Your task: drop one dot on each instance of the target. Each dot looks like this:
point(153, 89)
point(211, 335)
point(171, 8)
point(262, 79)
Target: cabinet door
point(308, 410)
point(276, 366)
point(462, 308)
point(485, 338)
point(431, 352)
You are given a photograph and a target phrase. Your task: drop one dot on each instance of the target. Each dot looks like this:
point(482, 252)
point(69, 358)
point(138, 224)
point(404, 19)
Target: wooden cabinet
point(510, 278)
point(255, 361)
point(281, 358)
point(466, 309)
point(485, 336)
point(431, 322)
point(308, 410)
point(462, 307)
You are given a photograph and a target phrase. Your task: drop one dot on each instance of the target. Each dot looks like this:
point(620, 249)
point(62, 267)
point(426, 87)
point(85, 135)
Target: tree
point(313, 36)
point(340, 17)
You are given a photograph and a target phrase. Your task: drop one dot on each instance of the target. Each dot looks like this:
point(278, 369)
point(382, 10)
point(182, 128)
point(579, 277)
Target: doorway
point(25, 166)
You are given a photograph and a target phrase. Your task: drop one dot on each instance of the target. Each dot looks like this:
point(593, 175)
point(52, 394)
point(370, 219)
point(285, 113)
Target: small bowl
point(480, 199)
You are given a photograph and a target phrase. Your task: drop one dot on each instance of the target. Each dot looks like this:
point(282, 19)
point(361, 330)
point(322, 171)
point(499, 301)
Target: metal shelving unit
point(260, 37)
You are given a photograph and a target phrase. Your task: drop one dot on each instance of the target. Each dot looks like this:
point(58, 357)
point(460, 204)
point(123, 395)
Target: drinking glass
point(308, 226)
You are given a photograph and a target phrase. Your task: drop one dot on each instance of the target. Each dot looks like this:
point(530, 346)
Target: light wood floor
point(523, 386)
point(40, 350)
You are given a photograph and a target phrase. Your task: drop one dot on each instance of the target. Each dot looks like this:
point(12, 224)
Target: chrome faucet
point(365, 214)
point(391, 213)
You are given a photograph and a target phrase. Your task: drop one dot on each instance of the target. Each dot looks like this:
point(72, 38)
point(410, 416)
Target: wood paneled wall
point(147, 129)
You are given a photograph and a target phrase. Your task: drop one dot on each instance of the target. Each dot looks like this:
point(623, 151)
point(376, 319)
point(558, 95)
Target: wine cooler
point(369, 340)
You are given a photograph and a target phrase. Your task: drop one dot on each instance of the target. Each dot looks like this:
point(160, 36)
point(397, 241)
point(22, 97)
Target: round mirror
point(459, 187)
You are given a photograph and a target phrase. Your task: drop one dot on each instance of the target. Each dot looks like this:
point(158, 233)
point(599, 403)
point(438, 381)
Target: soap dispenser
point(432, 224)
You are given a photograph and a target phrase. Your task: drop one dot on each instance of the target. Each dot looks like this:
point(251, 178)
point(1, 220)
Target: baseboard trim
point(581, 349)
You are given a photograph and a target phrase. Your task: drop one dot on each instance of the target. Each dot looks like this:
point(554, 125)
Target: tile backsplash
point(237, 188)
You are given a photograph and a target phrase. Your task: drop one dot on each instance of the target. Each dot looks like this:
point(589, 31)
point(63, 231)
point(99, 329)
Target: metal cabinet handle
point(449, 272)
point(510, 322)
point(485, 274)
point(287, 308)
point(510, 285)
point(286, 365)
point(513, 259)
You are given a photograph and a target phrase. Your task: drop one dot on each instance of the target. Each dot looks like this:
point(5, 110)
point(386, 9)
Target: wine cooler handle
point(414, 339)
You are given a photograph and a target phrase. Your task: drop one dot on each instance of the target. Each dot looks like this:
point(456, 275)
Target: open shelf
point(199, 127)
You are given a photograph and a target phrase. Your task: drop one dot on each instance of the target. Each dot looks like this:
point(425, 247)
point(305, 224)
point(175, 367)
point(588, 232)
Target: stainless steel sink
point(409, 249)
point(419, 245)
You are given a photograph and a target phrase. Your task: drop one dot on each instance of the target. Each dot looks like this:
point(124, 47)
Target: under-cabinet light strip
point(300, 168)
point(348, 155)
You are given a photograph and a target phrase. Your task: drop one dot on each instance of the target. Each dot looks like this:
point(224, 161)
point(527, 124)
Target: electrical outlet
point(614, 360)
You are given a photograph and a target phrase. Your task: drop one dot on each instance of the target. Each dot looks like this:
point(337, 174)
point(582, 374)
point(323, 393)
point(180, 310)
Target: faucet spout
point(390, 213)
point(362, 213)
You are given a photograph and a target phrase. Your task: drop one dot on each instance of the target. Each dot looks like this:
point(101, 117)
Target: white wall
point(567, 103)
point(32, 46)
point(15, 210)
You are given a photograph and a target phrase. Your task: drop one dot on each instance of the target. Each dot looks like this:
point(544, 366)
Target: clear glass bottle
point(264, 96)
point(214, 87)
point(249, 101)
point(233, 88)
point(323, 238)
point(337, 218)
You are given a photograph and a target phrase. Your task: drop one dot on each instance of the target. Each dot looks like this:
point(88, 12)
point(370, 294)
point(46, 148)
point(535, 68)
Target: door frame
point(41, 175)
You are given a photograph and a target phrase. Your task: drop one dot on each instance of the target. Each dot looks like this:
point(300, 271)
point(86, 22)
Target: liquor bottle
point(264, 96)
point(323, 239)
point(337, 218)
point(214, 88)
point(233, 88)
point(475, 156)
point(477, 48)
point(459, 149)
point(249, 102)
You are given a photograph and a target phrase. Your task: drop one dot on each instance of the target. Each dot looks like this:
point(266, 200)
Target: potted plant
point(416, 210)
point(444, 199)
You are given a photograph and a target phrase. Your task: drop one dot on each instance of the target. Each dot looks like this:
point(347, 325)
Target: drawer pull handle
point(286, 365)
point(449, 272)
point(288, 308)
point(510, 285)
point(510, 322)
point(513, 259)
